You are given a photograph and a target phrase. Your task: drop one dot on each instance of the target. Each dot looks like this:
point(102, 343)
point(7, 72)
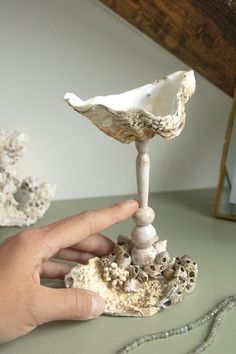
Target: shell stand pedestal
point(143, 235)
point(138, 278)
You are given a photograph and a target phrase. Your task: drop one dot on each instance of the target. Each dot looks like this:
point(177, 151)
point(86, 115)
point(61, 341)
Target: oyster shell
point(139, 114)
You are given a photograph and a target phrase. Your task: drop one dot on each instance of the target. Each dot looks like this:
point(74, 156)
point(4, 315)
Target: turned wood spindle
point(144, 234)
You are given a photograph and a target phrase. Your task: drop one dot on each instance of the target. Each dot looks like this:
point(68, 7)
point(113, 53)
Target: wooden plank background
point(201, 33)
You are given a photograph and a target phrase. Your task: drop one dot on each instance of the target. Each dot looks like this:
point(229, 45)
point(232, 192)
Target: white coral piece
point(22, 200)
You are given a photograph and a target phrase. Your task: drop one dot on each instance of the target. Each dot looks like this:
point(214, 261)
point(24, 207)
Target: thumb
point(68, 304)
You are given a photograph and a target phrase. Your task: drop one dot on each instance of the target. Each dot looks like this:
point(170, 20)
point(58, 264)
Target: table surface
point(185, 219)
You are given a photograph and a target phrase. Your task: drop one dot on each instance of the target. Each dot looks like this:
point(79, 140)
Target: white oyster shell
point(139, 114)
point(22, 200)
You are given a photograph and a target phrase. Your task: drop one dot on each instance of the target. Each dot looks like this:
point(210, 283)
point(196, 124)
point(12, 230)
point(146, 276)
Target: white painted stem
point(144, 234)
point(142, 171)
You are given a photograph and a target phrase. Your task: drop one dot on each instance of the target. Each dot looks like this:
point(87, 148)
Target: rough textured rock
point(139, 114)
point(130, 290)
point(22, 200)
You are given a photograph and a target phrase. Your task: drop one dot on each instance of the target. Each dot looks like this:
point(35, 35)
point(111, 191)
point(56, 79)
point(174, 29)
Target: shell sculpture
point(138, 277)
point(139, 114)
point(22, 200)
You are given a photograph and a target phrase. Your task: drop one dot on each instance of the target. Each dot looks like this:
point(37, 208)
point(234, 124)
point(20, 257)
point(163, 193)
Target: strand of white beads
point(144, 234)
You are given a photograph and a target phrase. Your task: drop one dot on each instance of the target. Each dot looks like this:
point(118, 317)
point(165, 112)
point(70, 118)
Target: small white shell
point(163, 258)
point(132, 285)
point(160, 246)
point(124, 260)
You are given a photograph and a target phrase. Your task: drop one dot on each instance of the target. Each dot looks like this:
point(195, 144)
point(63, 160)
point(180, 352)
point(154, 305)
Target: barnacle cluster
point(177, 274)
point(136, 290)
point(181, 282)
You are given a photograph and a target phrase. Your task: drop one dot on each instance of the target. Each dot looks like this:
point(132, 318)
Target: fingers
point(70, 231)
point(72, 255)
point(94, 245)
point(67, 304)
point(97, 244)
point(53, 270)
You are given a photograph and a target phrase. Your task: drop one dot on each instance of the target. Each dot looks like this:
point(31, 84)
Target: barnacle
point(153, 270)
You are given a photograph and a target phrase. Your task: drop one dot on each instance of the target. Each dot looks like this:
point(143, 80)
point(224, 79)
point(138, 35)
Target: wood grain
point(223, 170)
point(201, 33)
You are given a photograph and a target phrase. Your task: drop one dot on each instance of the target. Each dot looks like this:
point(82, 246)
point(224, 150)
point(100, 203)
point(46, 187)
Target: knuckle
point(27, 237)
point(73, 300)
point(81, 305)
point(84, 214)
point(115, 213)
point(85, 219)
point(34, 306)
point(23, 236)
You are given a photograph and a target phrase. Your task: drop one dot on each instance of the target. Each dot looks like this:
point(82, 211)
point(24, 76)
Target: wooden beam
point(201, 33)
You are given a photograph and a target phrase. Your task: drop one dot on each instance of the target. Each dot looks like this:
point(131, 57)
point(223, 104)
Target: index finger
point(74, 229)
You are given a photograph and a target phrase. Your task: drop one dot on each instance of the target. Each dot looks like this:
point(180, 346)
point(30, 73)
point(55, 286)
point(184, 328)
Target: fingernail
point(98, 306)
